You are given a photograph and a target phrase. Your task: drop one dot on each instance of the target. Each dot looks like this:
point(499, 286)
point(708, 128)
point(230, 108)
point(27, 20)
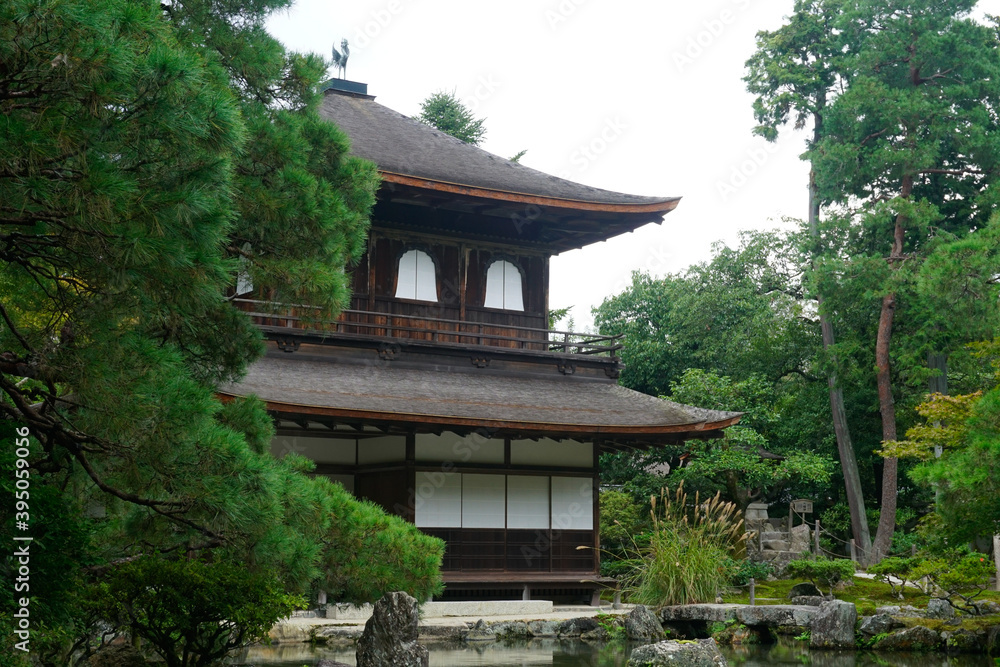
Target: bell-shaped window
point(244, 284)
point(503, 286)
point(416, 278)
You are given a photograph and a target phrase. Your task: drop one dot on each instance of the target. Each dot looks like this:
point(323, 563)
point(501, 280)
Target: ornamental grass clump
point(689, 548)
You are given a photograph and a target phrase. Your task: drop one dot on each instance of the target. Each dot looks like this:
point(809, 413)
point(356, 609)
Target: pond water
point(567, 653)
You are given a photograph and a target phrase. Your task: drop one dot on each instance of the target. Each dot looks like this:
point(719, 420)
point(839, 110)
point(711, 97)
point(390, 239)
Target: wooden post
point(854, 552)
point(789, 523)
point(816, 540)
point(753, 596)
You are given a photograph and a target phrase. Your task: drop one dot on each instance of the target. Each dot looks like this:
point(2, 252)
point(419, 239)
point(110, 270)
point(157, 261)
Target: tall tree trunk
point(996, 559)
point(845, 448)
point(887, 405)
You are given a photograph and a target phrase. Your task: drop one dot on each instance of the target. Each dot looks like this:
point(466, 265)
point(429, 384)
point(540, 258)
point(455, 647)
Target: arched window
point(416, 278)
point(503, 286)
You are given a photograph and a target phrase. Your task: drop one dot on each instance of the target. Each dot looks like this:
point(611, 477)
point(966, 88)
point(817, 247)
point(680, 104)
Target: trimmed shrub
point(822, 572)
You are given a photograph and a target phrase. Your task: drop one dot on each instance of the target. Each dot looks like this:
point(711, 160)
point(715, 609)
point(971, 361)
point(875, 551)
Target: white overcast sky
point(638, 96)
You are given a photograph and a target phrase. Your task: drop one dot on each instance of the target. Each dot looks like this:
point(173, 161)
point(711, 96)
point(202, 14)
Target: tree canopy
point(150, 153)
point(447, 113)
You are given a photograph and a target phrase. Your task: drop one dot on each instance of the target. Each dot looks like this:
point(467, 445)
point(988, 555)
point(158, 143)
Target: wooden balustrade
point(409, 322)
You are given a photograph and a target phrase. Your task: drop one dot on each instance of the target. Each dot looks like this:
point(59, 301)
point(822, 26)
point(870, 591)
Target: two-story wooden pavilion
point(441, 394)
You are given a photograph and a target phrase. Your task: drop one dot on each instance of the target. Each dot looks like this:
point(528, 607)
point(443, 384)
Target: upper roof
point(412, 154)
point(532, 405)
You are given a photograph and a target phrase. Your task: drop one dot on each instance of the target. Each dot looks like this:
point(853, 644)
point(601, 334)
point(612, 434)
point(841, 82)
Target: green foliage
point(193, 613)
point(613, 624)
point(730, 334)
point(822, 572)
point(964, 576)
point(688, 547)
point(372, 553)
point(896, 572)
point(149, 152)
point(447, 113)
point(739, 572)
point(969, 494)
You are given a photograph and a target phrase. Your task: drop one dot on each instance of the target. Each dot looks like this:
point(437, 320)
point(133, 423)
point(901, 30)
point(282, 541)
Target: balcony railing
point(418, 327)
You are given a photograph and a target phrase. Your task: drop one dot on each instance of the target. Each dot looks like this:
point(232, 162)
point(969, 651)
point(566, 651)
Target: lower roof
point(384, 392)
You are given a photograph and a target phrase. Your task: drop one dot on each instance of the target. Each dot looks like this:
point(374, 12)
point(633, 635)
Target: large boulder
point(575, 627)
point(964, 640)
point(699, 653)
point(938, 608)
point(833, 625)
point(800, 539)
point(390, 636)
point(879, 624)
point(805, 588)
point(917, 638)
point(643, 624)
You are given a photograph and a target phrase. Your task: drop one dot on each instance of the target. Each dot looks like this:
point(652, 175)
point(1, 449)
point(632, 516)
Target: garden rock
point(987, 607)
point(938, 608)
point(964, 641)
point(904, 610)
point(805, 588)
point(330, 663)
point(544, 628)
point(879, 624)
point(575, 627)
point(800, 538)
point(917, 638)
point(833, 625)
point(642, 624)
point(390, 636)
point(993, 640)
point(480, 632)
point(699, 653)
point(808, 600)
point(598, 634)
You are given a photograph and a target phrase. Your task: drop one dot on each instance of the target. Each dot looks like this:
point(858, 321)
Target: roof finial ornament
point(340, 59)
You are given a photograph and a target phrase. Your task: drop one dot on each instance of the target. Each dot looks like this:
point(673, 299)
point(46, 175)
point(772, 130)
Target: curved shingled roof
point(528, 403)
point(407, 151)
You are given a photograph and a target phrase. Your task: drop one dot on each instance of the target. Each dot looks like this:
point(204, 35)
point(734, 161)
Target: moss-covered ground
point(867, 594)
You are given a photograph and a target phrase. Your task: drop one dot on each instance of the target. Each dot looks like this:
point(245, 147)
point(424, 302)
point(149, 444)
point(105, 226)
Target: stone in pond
point(833, 625)
point(698, 653)
point(390, 636)
point(643, 624)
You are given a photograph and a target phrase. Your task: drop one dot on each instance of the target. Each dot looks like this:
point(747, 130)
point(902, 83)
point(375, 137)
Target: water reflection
point(566, 653)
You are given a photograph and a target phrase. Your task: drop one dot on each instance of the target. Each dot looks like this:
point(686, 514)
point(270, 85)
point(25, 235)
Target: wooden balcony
point(397, 320)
